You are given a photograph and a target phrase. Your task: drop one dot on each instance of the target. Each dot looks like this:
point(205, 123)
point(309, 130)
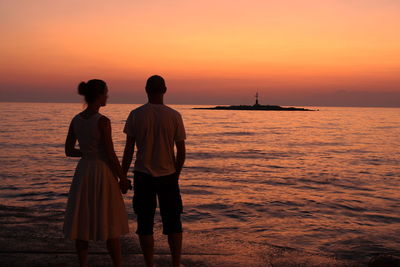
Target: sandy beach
point(26, 240)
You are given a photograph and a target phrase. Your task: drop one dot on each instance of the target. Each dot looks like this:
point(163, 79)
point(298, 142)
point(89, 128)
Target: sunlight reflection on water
point(325, 182)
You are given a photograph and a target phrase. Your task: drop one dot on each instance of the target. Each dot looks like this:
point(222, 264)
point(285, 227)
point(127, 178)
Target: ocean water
point(322, 184)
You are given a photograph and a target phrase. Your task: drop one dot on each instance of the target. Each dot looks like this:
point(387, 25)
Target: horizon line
point(122, 103)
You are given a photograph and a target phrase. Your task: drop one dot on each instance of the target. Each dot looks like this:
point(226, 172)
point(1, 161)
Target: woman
point(95, 209)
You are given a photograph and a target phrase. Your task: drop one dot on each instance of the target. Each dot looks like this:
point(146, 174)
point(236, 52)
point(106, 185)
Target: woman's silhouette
point(95, 209)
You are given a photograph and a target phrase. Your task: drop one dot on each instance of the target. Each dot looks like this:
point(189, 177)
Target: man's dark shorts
point(146, 190)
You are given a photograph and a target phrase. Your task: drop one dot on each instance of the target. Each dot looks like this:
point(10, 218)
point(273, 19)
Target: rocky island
point(257, 106)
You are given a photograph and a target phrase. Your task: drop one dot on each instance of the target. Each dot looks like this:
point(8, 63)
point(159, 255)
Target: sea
point(260, 188)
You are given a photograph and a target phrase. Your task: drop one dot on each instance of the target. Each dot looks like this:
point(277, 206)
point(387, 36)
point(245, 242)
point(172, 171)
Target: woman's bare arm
point(105, 129)
point(70, 150)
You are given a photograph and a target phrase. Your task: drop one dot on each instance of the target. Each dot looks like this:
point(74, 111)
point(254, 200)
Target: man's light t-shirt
point(155, 128)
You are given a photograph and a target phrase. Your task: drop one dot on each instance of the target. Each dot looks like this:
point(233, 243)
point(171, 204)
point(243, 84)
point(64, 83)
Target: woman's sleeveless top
point(89, 136)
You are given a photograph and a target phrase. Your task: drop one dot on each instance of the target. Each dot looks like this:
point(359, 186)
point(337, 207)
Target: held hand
point(178, 174)
point(124, 185)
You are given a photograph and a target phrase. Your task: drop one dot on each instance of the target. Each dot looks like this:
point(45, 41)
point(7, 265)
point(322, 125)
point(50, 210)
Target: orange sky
point(206, 49)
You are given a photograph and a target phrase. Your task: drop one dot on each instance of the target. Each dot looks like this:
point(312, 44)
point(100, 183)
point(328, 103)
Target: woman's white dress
point(95, 209)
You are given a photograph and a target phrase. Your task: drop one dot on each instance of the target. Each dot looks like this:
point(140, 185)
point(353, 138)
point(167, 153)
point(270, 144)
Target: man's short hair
point(155, 85)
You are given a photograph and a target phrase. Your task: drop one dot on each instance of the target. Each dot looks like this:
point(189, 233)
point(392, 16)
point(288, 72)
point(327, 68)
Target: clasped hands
point(125, 184)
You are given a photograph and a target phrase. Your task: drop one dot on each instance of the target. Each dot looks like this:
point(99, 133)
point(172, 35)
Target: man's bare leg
point(147, 245)
point(114, 248)
point(175, 246)
point(82, 248)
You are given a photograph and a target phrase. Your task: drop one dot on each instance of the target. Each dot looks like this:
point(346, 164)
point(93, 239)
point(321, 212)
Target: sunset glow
point(201, 47)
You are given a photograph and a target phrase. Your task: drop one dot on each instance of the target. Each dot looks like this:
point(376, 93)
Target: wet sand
point(26, 240)
point(24, 247)
point(31, 237)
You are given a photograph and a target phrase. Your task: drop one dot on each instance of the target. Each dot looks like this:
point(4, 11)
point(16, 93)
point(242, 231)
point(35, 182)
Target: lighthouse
point(256, 104)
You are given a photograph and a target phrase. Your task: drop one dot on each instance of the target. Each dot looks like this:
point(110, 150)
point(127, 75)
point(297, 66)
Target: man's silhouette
point(155, 129)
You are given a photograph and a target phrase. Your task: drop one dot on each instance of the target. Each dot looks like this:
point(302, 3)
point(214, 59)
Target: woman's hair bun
point(92, 89)
point(82, 88)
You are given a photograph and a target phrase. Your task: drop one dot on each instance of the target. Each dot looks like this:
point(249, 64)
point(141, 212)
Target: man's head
point(155, 85)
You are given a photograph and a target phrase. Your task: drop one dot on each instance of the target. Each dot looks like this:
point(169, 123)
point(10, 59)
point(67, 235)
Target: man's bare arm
point(128, 153)
point(180, 156)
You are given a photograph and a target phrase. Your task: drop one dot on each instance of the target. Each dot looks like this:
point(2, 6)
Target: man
point(155, 128)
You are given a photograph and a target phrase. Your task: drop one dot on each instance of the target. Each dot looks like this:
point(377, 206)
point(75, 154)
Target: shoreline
point(36, 242)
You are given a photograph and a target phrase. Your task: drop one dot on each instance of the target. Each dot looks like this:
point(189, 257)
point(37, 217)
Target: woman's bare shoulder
point(104, 122)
